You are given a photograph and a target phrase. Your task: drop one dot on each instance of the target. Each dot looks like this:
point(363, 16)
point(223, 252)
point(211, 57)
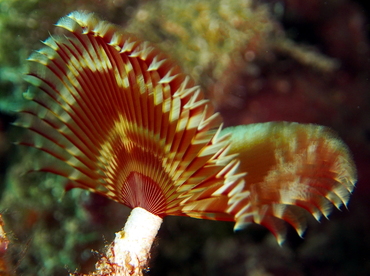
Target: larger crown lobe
point(126, 122)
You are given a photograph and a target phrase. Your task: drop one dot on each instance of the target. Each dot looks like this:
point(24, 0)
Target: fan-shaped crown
point(127, 122)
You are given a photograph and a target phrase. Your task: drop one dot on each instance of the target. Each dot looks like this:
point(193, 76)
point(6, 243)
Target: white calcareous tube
point(130, 251)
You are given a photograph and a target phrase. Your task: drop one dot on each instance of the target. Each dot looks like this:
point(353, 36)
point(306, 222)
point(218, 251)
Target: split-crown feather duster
point(130, 125)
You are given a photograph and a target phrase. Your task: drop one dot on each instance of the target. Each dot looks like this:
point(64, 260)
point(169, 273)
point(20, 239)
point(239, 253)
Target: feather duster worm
point(128, 124)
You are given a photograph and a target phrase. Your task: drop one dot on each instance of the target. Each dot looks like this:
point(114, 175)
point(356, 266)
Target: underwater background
point(306, 61)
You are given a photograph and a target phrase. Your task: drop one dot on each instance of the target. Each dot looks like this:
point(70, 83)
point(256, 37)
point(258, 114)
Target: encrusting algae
point(123, 121)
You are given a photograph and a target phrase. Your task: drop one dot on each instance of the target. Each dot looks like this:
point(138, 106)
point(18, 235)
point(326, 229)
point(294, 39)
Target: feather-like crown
point(130, 125)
